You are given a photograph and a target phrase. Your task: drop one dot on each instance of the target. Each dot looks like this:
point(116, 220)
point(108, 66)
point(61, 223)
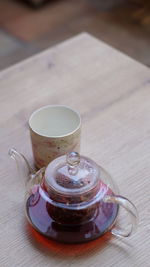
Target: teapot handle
point(130, 208)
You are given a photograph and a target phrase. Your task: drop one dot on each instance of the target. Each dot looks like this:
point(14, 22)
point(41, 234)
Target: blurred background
point(30, 26)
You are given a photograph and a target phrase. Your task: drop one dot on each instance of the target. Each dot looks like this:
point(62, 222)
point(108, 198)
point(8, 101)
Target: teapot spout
point(23, 165)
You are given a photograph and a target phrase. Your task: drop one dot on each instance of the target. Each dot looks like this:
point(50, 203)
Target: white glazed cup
point(55, 130)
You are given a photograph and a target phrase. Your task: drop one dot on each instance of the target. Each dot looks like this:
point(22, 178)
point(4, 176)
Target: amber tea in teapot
point(73, 200)
point(69, 226)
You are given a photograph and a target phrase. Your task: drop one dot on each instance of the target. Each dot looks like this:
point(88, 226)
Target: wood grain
point(111, 91)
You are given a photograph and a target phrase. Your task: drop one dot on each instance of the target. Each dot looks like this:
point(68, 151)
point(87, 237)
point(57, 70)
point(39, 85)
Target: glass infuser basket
point(73, 200)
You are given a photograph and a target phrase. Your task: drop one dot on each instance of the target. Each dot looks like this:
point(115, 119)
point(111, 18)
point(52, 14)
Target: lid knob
point(73, 161)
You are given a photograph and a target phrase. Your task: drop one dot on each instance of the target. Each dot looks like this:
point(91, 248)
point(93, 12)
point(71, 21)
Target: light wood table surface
point(112, 93)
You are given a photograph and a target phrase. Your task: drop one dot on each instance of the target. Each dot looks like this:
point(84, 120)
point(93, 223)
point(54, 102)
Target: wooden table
point(112, 93)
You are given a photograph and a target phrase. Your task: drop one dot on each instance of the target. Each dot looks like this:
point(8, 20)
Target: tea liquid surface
point(39, 212)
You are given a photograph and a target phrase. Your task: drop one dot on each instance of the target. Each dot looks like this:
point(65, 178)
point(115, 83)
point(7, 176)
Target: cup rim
point(58, 136)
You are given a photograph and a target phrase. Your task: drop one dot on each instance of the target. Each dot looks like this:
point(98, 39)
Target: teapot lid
point(72, 178)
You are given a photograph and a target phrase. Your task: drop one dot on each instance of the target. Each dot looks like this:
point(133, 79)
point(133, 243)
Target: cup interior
point(54, 121)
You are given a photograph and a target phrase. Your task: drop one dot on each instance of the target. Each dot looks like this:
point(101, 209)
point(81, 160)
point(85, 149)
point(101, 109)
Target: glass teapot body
point(74, 200)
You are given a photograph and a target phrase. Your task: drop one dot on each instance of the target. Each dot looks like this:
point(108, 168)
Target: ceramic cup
point(55, 130)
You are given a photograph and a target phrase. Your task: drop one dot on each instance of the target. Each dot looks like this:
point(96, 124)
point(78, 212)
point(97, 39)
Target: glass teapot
point(73, 200)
